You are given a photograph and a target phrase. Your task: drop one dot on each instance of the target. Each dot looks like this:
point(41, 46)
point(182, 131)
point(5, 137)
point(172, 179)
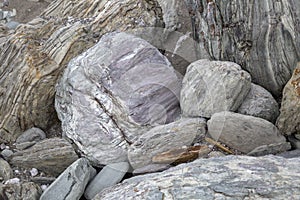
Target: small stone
point(215, 154)
point(34, 172)
point(270, 149)
point(12, 181)
point(44, 187)
point(151, 168)
point(2, 146)
point(5, 170)
point(6, 153)
point(33, 134)
point(110, 175)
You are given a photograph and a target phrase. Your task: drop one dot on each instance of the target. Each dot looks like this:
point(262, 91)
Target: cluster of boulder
point(128, 107)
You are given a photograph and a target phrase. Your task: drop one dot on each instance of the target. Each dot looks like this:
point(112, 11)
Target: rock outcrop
point(243, 133)
point(229, 177)
point(213, 86)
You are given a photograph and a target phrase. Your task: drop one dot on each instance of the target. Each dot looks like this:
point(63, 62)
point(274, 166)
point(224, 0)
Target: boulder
point(228, 177)
point(260, 103)
point(288, 121)
point(20, 191)
point(110, 175)
point(71, 183)
point(242, 132)
point(51, 156)
point(164, 138)
point(213, 86)
point(5, 171)
point(112, 93)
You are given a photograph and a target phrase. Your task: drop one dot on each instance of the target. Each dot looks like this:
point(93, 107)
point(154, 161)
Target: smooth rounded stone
point(288, 121)
point(228, 177)
point(242, 132)
point(110, 175)
point(6, 172)
point(7, 153)
point(22, 191)
point(113, 93)
point(51, 156)
point(71, 183)
point(164, 138)
point(270, 149)
point(260, 103)
point(213, 86)
point(290, 154)
point(30, 135)
point(151, 168)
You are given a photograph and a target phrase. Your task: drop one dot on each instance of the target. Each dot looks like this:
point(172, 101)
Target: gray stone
point(71, 183)
point(5, 170)
point(12, 24)
point(228, 177)
point(20, 191)
point(260, 103)
point(288, 121)
point(294, 141)
point(213, 86)
point(30, 135)
point(25, 145)
point(242, 132)
point(7, 153)
point(151, 168)
point(163, 138)
point(110, 175)
point(290, 154)
point(270, 149)
point(52, 156)
point(113, 93)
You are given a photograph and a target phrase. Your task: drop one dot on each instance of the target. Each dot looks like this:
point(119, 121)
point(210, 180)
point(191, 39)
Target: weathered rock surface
point(213, 86)
point(164, 138)
point(20, 191)
point(112, 93)
point(5, 171)
point(260, 103)
point(52, 156)
point(229, 177)
point(290, 154)
point(110, 175)
point(33, 58)
point(288, 121)
point(270, 149)
point(241, 132)
point(71, 183)
point(33, 134)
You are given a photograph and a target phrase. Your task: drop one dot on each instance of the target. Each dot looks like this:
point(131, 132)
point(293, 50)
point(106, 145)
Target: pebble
point(6, 153)
point(12, 181)
point(34, 172)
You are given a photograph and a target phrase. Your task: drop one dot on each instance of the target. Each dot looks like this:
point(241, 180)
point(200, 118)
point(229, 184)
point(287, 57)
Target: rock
point(288, 121)
point(12, 181)
point(30, 135)
point(215, 154)
point(6, 153)
point(125, 87)
point(290, 154)
point(34, 57)
point(260, 103)
point(24, 191)
point(163, 138)
point(25, 145)
point(5, 171)
point(213, 86)
point(229, 177)
point(242, 132)
point(151, 168)
point(71, 183)
point(12, 24)
point(294, 141)
point(42, 180)
point(110, 175)
point(52, 156)
point(270, 149)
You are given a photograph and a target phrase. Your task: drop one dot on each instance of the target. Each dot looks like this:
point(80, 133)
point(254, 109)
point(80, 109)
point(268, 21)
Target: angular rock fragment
point(27, 190)
point(51, 156)
point(113, 93)
point(213, 86)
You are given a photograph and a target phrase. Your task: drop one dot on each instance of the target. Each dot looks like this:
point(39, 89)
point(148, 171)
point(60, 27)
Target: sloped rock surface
point(52, 156)
point(288, 121)
point(163, 138)
point(260, 103)
point(229, 177)
point(33, 58)
point(213, 86)
point(241, 132)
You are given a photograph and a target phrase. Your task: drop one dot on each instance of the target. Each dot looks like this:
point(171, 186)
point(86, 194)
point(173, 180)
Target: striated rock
point(288, 121)
point(52, 156)
point(260, 103)
point(270, 149)
point(27, 190)
point(213, 86)
point(164, 138)
point(110, 175)
point(71, 183)
point(241, 132)
point(33, 134)
point(5, 171)
point(113, 93)
point(33, 58)
point(229, 177)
